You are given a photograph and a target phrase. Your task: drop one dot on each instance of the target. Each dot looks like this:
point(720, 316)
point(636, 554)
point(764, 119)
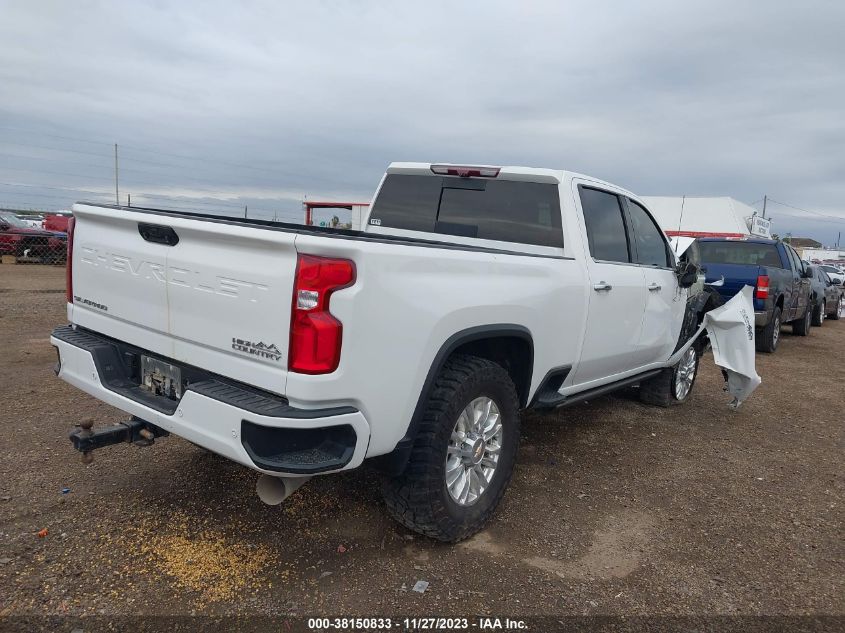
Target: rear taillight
point(69, 263)
point(465, 171)
point(316, 335)
point(762, 287)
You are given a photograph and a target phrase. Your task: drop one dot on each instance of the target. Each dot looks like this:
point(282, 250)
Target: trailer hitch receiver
point(136, 431)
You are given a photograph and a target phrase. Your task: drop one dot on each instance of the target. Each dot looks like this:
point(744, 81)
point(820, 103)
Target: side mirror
point(807, 273)
point(4, 226)
point(687, 275)
point(836, 282)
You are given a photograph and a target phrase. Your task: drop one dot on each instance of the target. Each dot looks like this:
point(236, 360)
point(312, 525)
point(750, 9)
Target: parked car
point(781, 282)
point(826, 297)
point(472, 293)
point(834, 272)
point(20, 239)
point(35, 221)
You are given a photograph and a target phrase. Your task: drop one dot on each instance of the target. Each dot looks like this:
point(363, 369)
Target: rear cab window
point(741, 253)
point(501, 210)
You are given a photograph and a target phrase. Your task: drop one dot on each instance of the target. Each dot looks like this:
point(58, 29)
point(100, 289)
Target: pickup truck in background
point(780, 279)
point(472, 293)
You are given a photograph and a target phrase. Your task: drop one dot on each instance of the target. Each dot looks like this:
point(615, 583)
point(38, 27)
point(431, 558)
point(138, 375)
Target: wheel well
point(514, 353)
point(508, 345)
point(779, 303)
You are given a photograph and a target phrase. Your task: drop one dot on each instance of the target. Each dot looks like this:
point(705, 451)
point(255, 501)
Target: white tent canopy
point(700, 216)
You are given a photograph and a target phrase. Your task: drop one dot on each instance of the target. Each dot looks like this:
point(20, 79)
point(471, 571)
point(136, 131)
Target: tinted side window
point(651, 247)
point(506, 210)
point(606, 234)
point(793, 256)
point(408, 202)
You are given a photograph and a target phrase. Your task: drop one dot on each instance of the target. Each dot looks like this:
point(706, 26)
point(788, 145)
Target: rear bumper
point(264, 434)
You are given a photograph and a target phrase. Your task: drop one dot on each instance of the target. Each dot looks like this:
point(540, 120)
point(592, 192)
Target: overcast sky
point(262, 103)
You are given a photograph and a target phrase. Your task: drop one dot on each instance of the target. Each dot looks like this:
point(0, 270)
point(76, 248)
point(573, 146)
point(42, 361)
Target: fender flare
point(395, 461)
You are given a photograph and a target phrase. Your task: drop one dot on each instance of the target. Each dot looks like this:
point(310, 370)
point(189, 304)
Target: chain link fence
point(27, 239)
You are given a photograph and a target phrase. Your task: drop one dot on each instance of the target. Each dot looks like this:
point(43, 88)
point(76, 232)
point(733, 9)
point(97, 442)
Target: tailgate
point(736, 276)
point(218, 299)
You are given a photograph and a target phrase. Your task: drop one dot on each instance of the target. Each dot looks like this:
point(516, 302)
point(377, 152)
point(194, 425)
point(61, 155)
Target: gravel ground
point(615, 507)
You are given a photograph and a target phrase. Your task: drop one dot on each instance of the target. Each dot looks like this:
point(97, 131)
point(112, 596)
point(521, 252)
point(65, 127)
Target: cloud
point(268, 101)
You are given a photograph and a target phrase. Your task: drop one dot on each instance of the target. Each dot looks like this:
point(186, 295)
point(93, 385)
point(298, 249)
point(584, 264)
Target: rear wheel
point(802, 326)
point(464, 453)
point(819, 313)
point(767, 338)
point(674, 384)
point(839, 312)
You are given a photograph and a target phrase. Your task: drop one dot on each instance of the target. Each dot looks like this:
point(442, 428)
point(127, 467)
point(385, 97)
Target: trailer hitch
point(136, 431)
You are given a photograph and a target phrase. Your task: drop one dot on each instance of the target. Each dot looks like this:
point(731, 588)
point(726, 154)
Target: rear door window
point(503, 210)
point(606, 233)
point(652, 248)
point(796, 261)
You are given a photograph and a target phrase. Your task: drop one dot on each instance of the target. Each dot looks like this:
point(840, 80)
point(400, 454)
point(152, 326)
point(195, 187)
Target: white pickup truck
point(473, 293)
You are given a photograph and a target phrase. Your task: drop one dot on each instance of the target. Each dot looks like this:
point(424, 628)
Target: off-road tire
point(766, 339)
point(418, 498)
point(659, 391)
point(819, 314)
point(801, 327)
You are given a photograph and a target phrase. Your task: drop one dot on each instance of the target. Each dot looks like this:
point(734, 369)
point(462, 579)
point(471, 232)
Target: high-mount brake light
point(315, 334)
point(762, 291)
point(465, 171)
point(71, 223)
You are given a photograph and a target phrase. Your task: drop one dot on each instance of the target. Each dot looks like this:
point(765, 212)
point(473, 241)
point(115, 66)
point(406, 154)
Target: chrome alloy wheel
point(776, 332)
point(474, 450)
point(684, 374)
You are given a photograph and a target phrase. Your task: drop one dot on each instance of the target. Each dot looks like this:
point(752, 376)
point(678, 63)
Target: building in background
point(690, 216)
point(816, 255)
point(338, 215)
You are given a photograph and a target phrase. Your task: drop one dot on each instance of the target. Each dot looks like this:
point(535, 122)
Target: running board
point(559, 400)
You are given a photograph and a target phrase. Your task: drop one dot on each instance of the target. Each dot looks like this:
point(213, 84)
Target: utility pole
point(765, 198)
point(128, 199)
point(116, 191)
point(244, 212)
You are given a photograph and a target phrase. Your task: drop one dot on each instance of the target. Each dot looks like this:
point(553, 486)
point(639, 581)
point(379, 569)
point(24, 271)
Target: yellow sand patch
point(207, 563)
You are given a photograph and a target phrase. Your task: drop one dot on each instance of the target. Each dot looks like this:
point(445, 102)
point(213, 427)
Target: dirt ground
point(615, 507)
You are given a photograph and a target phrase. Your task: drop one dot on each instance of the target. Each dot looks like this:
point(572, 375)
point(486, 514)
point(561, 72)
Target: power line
point(824, 215)
point(196, 165)
point(203, 202)
point(127, 182)
point(67, 138)
point(133, 148)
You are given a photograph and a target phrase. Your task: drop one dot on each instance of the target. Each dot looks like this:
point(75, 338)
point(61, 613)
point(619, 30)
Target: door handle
point(602, 285)
point(654, 286)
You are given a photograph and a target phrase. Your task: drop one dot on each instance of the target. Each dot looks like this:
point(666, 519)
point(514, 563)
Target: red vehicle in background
point(21, 240)
point(56, 222)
